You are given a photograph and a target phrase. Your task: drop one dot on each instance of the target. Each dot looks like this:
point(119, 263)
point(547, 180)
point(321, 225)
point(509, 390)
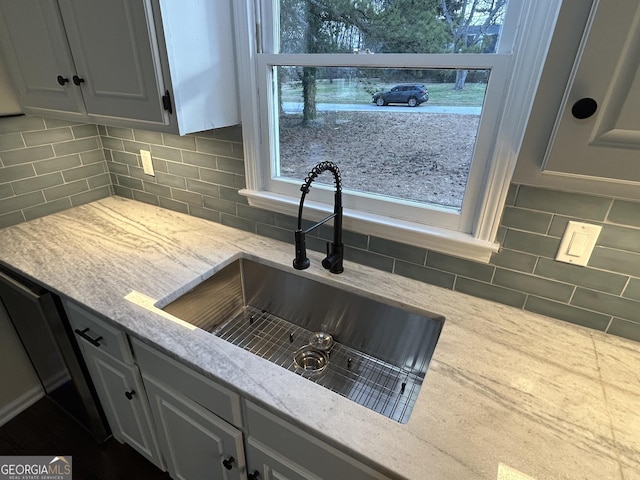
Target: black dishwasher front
point(39, 320)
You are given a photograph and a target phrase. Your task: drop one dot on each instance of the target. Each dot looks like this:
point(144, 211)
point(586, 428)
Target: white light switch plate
point(147, 163)
point(578, 242)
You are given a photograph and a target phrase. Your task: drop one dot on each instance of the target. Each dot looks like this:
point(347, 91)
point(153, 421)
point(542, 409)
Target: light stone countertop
point(508, 394)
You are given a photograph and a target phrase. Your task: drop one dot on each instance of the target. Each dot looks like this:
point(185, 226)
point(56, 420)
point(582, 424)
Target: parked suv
point(412, 94)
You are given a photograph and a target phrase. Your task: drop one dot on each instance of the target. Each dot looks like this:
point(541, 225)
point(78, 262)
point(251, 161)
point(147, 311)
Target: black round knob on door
point(228, 463)
point(130, 394)
point(77, 80)
point(62, 80)
point(584, 108)
point(254, 476)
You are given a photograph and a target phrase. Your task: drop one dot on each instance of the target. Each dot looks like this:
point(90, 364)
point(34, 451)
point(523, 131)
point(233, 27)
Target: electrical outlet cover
point(147, 163)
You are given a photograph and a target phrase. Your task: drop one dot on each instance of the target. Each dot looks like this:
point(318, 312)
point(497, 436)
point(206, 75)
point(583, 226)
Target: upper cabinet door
point(114, 49)
point(36, 54)
point(200, 48)
point(597, 133)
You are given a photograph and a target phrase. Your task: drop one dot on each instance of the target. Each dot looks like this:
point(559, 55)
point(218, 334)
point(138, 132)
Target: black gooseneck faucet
point(335, 249)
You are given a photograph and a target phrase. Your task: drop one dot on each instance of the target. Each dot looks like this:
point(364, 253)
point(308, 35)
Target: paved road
point(294, 107)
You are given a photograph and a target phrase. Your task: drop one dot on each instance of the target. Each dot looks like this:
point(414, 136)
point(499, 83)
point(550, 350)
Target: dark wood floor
point(43, 429)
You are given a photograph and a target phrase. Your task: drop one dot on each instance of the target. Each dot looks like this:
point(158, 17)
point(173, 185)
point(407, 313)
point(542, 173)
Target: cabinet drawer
point(215, 398)
point(96, 333)
point(302, 449)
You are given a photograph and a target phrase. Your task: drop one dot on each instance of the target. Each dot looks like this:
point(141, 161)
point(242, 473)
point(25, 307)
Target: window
point(422, 106)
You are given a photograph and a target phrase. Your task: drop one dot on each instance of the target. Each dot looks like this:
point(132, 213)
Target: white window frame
point(515, 73)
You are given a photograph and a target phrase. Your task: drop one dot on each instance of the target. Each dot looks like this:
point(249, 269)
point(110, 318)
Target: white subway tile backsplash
point(48, 165)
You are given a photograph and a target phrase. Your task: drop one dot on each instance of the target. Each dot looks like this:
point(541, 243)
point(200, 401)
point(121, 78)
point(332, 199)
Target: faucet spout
point(335, 250)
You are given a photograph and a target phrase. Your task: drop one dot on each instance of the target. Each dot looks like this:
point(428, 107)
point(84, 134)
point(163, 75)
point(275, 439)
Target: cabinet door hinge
point(166, 102)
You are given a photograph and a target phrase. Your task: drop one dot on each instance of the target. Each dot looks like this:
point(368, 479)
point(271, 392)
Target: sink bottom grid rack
point(382, 387)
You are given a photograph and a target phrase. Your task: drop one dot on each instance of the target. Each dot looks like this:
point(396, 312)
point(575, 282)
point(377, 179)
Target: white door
point(196, 444)
point(124, 402)
point(116, 54)
point(597, 132)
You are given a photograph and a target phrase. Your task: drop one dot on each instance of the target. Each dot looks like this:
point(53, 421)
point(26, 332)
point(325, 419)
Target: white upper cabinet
point(113, 52)
point(150, 64)
point(37, 56)
point(584, 131)
point(597, 133)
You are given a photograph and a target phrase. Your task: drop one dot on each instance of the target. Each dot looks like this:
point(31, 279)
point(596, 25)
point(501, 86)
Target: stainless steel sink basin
point(378, 353)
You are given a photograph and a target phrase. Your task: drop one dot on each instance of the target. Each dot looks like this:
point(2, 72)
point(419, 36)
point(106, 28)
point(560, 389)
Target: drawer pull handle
point(228, 463)
point(92, 341)
point(77, 80)
point(130, 394)
point(62, 80)
point(254, 476)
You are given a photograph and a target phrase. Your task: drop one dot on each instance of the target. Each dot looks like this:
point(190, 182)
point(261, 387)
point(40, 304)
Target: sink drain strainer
point(321, 341)
point(310, 359)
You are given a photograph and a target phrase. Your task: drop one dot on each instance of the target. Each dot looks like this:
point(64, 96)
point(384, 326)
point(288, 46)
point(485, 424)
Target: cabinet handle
point(584, 108)
point(130, 394)
point(166, 102)
point(77, 80)
point(92, 341)
point(62, 80)
point(254, 476)
point(228, 463)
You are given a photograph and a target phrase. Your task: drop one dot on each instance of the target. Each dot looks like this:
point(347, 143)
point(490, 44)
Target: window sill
point(438, 239)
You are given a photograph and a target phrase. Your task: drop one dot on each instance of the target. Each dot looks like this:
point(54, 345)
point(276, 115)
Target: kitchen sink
point(364, 349)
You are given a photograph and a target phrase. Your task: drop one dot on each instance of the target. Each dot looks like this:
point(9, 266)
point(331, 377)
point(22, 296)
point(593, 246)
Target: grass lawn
point(355, 91)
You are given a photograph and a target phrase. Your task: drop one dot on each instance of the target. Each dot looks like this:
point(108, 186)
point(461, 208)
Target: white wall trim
point(20, 404)
point(521, 91)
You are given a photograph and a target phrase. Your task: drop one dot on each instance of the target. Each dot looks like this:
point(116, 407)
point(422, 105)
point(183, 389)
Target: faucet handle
point(333, 261)
point(327, 262)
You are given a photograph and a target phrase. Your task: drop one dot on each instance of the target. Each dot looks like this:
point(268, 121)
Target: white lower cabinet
point(198, 428)
point(124, 402)
point(195, 443)
point(269, 464)
point(278, 450)
point(117, 381)
point(198, 421)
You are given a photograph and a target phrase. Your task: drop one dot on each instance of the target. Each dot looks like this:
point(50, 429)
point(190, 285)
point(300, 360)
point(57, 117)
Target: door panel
point(36, 52)
point(129, 418)
point(607, 70)
point(194, 441)
point(115, 52)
